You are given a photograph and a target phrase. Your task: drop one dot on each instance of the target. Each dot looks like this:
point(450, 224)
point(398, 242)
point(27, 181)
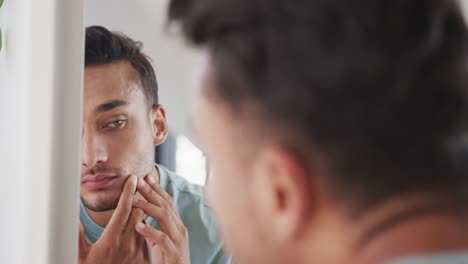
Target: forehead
point(115, 81)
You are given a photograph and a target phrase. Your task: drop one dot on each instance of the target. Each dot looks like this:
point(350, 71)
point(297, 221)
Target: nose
point(93, 151)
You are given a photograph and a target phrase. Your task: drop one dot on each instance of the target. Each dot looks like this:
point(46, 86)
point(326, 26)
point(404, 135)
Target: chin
point(100, 201)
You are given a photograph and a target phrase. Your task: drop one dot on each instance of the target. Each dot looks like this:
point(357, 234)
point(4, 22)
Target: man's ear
point(159, 124)
point(285, 194)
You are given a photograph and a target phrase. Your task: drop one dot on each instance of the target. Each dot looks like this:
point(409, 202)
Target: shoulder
point(179, 188)
point(189, 200)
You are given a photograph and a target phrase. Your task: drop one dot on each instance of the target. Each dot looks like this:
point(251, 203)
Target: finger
point(166, 219)
point(157, 188)
point(156, 237)
point(130, 235)
point(119, 219)
point(135, 216)
point(155, 194)
point(83, 243)
point(149, 193)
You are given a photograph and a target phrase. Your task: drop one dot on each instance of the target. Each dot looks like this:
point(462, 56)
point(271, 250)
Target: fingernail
point(141, 182)
point(134, 182)
point(140, 226)
point(151, 179)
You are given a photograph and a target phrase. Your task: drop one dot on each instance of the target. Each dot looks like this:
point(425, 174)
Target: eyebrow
point(109, 106)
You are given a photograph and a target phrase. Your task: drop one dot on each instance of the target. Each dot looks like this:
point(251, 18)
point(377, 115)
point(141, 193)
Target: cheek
point(140, 158)
point(132, 150)
point(230, 198)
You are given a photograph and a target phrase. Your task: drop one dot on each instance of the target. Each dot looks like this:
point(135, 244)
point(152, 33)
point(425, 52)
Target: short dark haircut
point(377, 87)
point(106, 47)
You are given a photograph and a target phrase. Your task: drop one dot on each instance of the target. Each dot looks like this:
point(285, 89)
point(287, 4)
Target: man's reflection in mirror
point(133, 210)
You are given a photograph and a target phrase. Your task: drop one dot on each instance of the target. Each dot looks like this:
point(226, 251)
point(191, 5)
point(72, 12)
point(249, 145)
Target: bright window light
point(190, 161)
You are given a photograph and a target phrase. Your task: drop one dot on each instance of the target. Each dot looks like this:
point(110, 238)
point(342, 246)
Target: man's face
point(117, 139)
point(231, 192)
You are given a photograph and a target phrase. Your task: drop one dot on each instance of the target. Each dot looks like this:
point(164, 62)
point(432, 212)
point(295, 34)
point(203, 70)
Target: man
point(336, 129)
point(132, 210)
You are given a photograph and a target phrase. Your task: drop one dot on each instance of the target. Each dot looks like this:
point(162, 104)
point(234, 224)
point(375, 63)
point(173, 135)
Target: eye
point(116, 124)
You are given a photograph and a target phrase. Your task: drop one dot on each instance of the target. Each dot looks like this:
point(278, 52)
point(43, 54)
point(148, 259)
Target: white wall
point(13, 126)
point(41, 69)
point(144, 20)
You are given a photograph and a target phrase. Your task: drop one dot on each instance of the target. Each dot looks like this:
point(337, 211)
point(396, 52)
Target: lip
point(98, 181)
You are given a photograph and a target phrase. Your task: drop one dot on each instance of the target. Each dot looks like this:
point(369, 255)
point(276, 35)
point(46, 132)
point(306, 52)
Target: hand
point(173, 240)
point(119, 243)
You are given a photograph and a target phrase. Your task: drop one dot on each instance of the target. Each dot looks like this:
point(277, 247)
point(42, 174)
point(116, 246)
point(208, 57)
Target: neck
point(103, 218)
point(436, 234)
point(412, 225)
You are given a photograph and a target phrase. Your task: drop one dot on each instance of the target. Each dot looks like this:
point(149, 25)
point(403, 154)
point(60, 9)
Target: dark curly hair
point(105, 47)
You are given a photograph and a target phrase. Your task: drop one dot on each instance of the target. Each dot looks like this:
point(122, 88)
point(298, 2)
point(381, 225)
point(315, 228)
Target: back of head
point(376, 88)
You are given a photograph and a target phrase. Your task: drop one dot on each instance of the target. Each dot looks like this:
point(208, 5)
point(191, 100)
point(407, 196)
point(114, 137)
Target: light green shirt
point(205, 246)
point(449, 258)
